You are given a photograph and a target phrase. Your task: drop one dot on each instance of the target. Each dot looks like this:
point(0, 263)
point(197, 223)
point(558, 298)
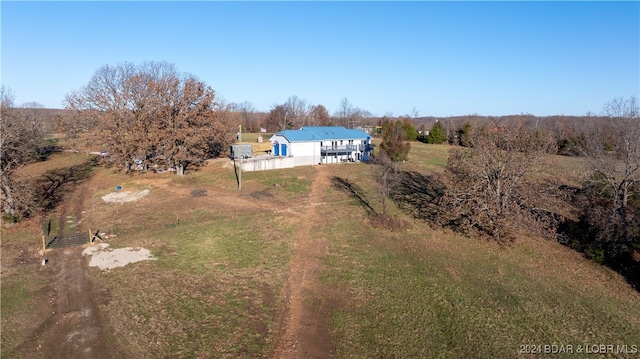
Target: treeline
point(297, 112)
point(567, 131)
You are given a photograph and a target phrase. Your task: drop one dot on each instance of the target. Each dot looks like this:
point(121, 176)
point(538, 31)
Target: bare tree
point(278, 118)
point(359, 117)
point(386, 176)
point(319, 116)
point(150, 114)
point(611, 153)
point(349, 115)
point(344, 113)
point(297, 110)
point(415, 113)
point(6, 98)
point(612, 150)
point(113, 110)
point(247, 113)
point(294, 113)
point(21, 136)
point(487, 191)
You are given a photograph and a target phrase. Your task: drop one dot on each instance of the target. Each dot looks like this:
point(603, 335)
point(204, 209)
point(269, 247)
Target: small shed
point(241, 151)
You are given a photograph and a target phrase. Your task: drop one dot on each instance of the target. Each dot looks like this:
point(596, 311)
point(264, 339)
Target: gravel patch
point(106, 259)
point(125, 196)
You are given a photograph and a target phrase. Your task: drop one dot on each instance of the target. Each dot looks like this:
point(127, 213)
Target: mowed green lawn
point(216, 289)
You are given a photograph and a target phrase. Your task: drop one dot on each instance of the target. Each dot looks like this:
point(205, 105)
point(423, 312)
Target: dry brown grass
point(217, 288)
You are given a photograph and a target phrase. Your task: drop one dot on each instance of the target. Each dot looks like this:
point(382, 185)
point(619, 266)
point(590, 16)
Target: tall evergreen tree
point(394, 141)
point(437, 134)
point(412, 133)
point(464, 134)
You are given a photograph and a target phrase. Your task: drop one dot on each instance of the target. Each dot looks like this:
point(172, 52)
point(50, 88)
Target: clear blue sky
point(442, 58)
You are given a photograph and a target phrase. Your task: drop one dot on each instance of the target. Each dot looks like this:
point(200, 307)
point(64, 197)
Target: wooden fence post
point(93, 236)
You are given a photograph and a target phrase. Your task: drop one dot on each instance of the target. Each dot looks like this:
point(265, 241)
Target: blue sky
point(441, 58)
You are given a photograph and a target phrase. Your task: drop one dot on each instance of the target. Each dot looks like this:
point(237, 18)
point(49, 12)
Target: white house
point(313, 145)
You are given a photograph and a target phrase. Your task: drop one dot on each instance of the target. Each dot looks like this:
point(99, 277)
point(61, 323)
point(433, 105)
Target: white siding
point(281, 140)
point(305, 149)
point(307, 153)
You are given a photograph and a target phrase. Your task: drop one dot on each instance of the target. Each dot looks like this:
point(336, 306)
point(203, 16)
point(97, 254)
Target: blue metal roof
point(319, 133)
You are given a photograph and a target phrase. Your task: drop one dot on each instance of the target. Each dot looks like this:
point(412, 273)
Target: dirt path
point(74, 329)
point(304, 331)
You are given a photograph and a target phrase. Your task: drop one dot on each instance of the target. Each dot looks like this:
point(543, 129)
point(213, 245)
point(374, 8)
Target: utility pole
point(240, 168)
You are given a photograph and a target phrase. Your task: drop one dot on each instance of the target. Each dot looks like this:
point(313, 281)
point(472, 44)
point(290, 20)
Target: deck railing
point(346, 148)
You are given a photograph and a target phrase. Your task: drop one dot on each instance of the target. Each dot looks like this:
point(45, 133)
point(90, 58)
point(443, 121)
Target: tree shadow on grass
point(580, 235)
point(353, 190)
point(375, 219)
point(54, 185)
point(575, 235)
point(418, 195)
point(413, 192)
point(629, 267)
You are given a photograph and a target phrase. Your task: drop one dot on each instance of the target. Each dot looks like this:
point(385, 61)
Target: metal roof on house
point(319, 133)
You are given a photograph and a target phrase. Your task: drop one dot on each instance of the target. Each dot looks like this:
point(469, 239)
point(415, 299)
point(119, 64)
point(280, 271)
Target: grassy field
point(430, 293)
point(425, 294)
point(216, 289)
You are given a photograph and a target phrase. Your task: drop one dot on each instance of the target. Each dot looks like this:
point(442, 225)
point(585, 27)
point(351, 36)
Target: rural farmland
point(319, 179)
point(290, 267)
